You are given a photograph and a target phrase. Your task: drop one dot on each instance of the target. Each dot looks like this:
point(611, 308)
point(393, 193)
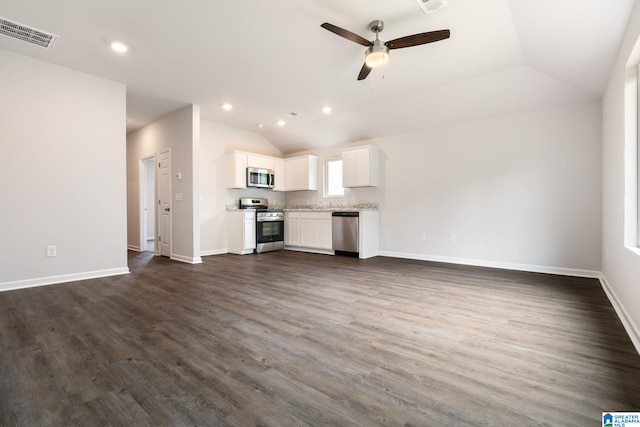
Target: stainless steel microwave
point(261, 178)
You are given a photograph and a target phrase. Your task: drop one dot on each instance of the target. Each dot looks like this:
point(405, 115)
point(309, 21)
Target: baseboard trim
point(309, 250)
point(134, 248)
point(494, 264)
point(185, 259)
point(214, 252)
point(52, 280)
point(632, 330)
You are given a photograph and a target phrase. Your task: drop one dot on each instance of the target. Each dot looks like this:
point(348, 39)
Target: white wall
point(520, 191)
point(180, 132)
point(215, 141)
point(62, 169)
point(621, 265)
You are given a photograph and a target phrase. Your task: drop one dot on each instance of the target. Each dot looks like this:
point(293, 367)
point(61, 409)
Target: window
point(636, 170)
point(632, 160)
point(333, 178)
point(632, 167)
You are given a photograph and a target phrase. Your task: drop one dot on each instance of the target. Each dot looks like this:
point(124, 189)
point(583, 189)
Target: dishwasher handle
point(346, 214)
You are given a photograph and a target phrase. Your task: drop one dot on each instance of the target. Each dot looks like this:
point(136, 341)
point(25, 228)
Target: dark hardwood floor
point(295, 339)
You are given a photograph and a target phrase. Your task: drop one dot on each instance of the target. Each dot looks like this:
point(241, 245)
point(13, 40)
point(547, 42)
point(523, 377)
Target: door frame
point(143, 201)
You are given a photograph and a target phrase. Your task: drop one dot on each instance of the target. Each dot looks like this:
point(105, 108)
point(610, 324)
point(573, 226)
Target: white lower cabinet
point(292, 228)
point(315, 230)
point(309, 230)
point(368, 241)
point(242, 232)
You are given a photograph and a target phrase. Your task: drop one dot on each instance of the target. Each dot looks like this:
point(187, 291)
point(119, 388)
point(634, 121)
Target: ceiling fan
point(377, 54)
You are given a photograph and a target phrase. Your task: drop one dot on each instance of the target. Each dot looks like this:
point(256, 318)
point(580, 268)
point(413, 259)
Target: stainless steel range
point(269, 224)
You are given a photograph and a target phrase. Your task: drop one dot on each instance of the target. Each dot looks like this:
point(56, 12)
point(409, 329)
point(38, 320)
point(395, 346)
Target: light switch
point(178, 196)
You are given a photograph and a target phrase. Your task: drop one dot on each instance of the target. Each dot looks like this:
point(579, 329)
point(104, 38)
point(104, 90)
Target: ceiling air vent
point(429, 6)
point(31, 35)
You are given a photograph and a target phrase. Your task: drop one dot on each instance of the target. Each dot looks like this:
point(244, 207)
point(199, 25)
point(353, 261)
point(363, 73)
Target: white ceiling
point(269, 58)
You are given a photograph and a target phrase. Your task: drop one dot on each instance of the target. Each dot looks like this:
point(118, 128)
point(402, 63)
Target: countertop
point(323, 208)
point(330, 208)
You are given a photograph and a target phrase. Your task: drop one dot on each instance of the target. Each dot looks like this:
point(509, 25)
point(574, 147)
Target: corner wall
point(62, 169)
point(180, 132)
point(215, 141)
point(519, 191)
point(621, 265)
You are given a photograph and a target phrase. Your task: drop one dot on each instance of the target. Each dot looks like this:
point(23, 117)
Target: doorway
point(164, 204)
point(148, 204)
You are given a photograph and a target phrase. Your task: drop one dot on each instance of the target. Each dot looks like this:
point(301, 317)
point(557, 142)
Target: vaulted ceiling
point(271, 58)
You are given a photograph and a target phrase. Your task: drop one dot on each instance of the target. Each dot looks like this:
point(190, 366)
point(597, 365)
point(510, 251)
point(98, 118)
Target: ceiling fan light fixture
point(377, 55)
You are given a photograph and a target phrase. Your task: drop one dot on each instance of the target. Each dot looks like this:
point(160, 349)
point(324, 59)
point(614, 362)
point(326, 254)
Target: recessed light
point(119, 47)
point(326, 110)
point(281, 123)
point(227, 107)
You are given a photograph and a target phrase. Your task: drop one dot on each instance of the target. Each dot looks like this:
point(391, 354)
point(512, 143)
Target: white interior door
point(164, 203)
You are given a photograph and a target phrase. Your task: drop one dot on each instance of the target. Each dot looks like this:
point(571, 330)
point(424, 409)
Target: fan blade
point(346, 34)
point(364, 72)
point(418, 39)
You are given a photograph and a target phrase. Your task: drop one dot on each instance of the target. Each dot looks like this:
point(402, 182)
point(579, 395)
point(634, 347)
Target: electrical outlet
point(423, 236)
point(52, 251)
point(452, 238)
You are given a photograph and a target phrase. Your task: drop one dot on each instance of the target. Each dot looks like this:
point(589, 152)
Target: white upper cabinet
point(239, 161)
point(280, 175)
point(301, 173)
point(236, 170)
point(262, 162)
point(295, 174)
point(361, 167)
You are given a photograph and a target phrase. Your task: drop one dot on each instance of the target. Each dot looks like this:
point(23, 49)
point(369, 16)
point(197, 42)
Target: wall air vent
point(429, 6)
point(31, 35)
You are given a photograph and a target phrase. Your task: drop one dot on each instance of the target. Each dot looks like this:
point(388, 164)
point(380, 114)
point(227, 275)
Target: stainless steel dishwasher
point(344, 233)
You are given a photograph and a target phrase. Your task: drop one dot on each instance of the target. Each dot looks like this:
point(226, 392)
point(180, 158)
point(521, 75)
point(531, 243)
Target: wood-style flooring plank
point(297, 339)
